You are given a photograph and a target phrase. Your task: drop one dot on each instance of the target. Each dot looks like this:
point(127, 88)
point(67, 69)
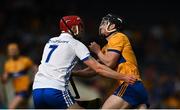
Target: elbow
point(111, 64)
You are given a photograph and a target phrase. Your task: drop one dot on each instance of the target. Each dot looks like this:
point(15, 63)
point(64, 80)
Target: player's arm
point(87, 72)
point(34, 68)
point(31, 65)
point(110, 58)
point(4, 77)
point(83, 54)
point(107, 72)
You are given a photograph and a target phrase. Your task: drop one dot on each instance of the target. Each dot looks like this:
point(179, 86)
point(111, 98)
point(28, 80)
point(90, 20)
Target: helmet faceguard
point(109, 20)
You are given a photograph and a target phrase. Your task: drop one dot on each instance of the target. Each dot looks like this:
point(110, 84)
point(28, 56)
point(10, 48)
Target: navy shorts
point(24, 94)
point(49, 98)
point(134, 94)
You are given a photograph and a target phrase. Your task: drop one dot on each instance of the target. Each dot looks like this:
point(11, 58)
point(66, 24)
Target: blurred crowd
point(156, 45)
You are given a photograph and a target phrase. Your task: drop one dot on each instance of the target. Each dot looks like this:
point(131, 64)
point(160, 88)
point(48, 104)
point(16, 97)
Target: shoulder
point(25, 58)
point(76, 43)
point(79, 47)
point(27, 61)
point(7, 62)
point(118, 36)
point(52, 39)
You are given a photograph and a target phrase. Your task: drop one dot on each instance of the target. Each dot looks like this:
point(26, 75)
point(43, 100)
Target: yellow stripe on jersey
point(123, 89)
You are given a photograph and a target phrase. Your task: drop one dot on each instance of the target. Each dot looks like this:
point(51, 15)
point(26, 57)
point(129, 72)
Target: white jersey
point(59, 57)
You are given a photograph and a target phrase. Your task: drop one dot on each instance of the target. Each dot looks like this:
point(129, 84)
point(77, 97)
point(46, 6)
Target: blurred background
point(153, 27)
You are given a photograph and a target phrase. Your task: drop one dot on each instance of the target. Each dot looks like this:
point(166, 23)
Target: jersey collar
point(66, 34)
point(111, 35)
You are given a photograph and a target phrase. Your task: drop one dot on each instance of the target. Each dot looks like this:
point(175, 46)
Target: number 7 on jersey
point(52, 47)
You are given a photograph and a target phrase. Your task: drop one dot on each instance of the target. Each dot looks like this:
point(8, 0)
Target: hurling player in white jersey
point(50, 88)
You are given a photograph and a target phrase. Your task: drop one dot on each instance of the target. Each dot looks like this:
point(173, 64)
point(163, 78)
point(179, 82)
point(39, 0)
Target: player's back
point(59, 57)
point(58, 53)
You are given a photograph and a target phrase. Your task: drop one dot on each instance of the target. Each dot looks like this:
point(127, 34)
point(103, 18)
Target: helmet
point(113, 19)
point(67, 22)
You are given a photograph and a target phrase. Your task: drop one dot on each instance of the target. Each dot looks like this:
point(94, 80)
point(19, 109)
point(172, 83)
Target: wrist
point(122, 77)
point(98, 52)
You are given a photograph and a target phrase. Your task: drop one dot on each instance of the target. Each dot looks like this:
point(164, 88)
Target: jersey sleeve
point(116, 44)
point(28, 62)
point(81, 51)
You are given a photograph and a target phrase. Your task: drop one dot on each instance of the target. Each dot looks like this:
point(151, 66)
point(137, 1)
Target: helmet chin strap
point(77, 31)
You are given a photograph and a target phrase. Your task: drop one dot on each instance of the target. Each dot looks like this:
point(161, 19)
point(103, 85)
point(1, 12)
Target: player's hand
point(4, 78)
point(94, 47)
point(130, 79)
